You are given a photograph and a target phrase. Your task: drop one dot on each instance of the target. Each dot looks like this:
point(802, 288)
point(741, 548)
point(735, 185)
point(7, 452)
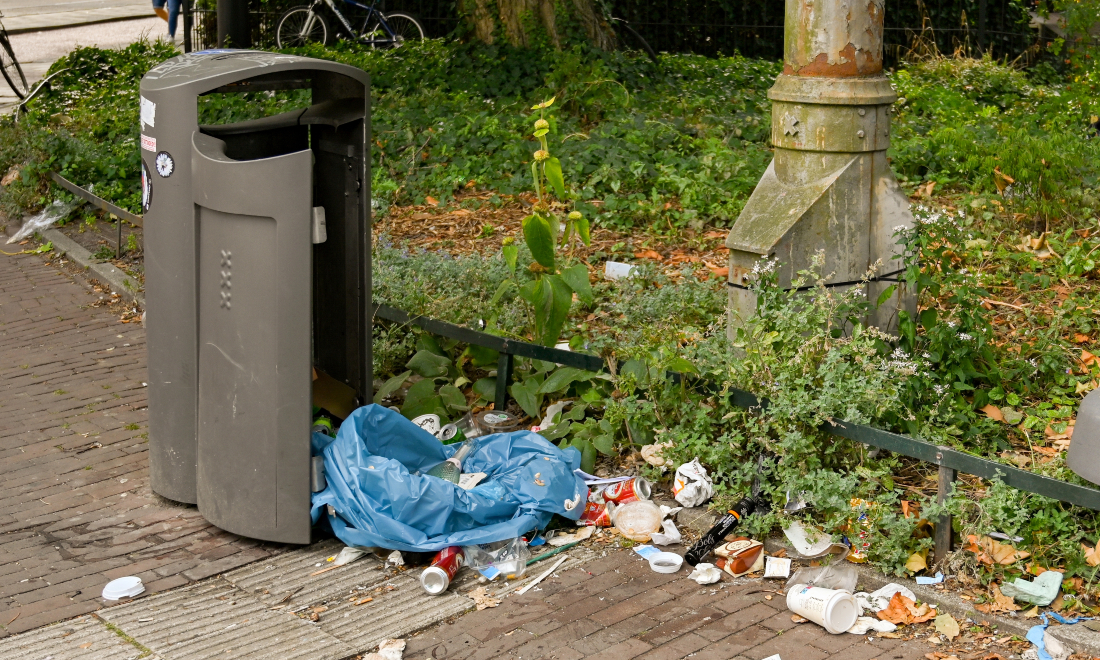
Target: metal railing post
point(945, 486)
point(504, 379)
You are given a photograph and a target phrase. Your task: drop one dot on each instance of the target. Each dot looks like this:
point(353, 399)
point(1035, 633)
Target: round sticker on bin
point(146, 188)
point(165, 165)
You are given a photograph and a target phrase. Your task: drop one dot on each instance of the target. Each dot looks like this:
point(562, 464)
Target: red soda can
point(627, 491)
point(436, 578)
point(596, 514)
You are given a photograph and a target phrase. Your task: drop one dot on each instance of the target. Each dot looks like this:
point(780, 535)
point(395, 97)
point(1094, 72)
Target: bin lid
point(209, 69)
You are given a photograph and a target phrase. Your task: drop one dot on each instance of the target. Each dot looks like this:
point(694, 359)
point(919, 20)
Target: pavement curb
point(78, 23)
point(120, 282)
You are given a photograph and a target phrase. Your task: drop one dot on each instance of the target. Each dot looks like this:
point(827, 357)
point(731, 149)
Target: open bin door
point(253, 264)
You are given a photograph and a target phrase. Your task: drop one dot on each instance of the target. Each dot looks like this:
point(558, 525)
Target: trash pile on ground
point(486, 495)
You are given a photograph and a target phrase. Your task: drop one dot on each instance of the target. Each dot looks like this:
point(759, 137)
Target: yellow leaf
point(544, 104)
point(1033, 613)
point(917, 562)
point(947, 625)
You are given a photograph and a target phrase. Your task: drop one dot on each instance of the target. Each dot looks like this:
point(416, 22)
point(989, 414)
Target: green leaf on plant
point(525, 395)
point(561, 379)
point(886, 294)
point(588, 454)
point(583, 230)
point(540, 132)
point(486, 388)
point(682, 366)
point(552, 169)
point(428, 364)
point(391, 386)
point(481, 356)
point(511, 252)
point(561, 299)
point(539, 239)
point(635, 368)
point(501, 290)
point(605, 444)
point(426, 342)
point(421, 399)
point(453, 398)
point(577, 278)
point(545, 104)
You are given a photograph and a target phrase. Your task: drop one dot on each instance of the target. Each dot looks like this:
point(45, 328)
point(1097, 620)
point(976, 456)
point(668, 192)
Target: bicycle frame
point(371, 12)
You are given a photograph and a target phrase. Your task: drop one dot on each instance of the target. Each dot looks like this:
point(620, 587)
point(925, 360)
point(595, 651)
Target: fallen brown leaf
point(649, 254)
point(432, 201)
point(904, 610)
point(1080, 338)
point(990, 551)
point(947, 626)
point(1001, 602)
point(482, 598)
point(1091, 555)
point(993, 412)
point(1087, 359)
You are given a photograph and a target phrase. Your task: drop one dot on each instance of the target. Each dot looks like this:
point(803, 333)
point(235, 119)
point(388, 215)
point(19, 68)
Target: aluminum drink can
point(596, 514)
point(436, 578)
point(627, 491)
point(451, 434)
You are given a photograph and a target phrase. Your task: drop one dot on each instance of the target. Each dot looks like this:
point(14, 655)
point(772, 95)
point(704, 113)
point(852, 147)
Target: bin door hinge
point(320, 233)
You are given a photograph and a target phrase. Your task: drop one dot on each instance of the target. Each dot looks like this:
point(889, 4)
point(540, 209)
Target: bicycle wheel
point(293, 31)
point(9, 67)
point(405, 28)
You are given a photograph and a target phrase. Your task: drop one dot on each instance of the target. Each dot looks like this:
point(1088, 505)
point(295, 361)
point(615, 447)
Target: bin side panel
point(254, 304)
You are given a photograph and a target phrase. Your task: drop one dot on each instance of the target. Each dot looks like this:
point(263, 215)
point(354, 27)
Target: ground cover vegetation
point(1004, 256)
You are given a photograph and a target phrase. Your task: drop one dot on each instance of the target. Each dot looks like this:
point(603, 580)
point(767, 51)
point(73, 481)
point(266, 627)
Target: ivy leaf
point(391, 386)
point(577, 279)
point(552, 169)
point(511, 252)
point(605, 444)
point(525, 395)
point(563, 378)
point(428, 364)
point(583, 229)
point(539, 239)
point(453, 397)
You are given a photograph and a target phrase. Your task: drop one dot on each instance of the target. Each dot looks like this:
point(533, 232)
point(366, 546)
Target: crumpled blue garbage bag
point(379, 502)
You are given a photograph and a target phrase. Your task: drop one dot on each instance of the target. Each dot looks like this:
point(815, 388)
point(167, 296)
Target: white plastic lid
point(124, 587)
point(665, 562)
point(841, 613)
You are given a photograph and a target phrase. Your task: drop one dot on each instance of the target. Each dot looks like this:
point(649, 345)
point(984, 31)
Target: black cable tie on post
point(885, 277)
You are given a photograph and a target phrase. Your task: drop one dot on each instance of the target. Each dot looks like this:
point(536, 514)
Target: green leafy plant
point(546, 230)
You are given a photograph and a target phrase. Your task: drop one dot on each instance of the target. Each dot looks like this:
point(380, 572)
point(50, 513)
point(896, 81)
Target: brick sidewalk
point(616, 608)
point(75, 504)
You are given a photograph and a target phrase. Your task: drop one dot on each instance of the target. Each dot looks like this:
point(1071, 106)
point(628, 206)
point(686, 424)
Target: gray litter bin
point(257, 240)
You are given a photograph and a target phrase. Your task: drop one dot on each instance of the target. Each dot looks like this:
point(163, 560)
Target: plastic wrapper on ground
point(380, 501)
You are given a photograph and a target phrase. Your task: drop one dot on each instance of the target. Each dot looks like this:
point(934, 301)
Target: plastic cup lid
point(124, 587)
point(665, 562)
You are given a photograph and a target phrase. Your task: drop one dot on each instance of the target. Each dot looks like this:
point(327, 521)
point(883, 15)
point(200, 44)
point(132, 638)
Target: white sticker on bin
point(148, 113)
point(148, 143)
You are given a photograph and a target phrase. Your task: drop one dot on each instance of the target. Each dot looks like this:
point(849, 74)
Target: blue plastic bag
point(379, 502)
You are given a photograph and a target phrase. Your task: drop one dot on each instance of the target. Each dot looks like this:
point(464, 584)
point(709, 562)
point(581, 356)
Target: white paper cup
point(832, 609)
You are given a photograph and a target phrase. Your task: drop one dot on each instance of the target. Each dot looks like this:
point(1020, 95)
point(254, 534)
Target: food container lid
point(124, 587)
point(666, 562)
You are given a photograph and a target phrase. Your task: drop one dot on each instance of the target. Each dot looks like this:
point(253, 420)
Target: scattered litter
point(1047, 646)
point(841, 576)
point(508, 558)
point(777, 567)
point(799, 619)
point(582, 533)
point(630, 490)
point(651, 454)
point(866, 624)
point(740, 556)
point(44, 218)
point(706, 574)
point(1040, 591)
point(863, 525)
point(637, 520)
point(363, 601)
point(669, 536)
point(390, 649)
point(470, 479)
point(773, 657)
point(923, 579)
point(597, 514)
point(1005, 537)
point(347, 555)
point(666, 562)
point(878, 600)
point(614, 270)
point(692, 486)
point(821, 545)
point(395, 558)
point(832, 609)
point(593, 480)
point(436, 578)
point(482, 598)
point(947, 626)
point(542, 577)
point(123, 587)
point(646, 551)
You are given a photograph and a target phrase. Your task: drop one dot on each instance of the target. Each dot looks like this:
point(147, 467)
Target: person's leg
point(158, 9)
point(173, 16)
